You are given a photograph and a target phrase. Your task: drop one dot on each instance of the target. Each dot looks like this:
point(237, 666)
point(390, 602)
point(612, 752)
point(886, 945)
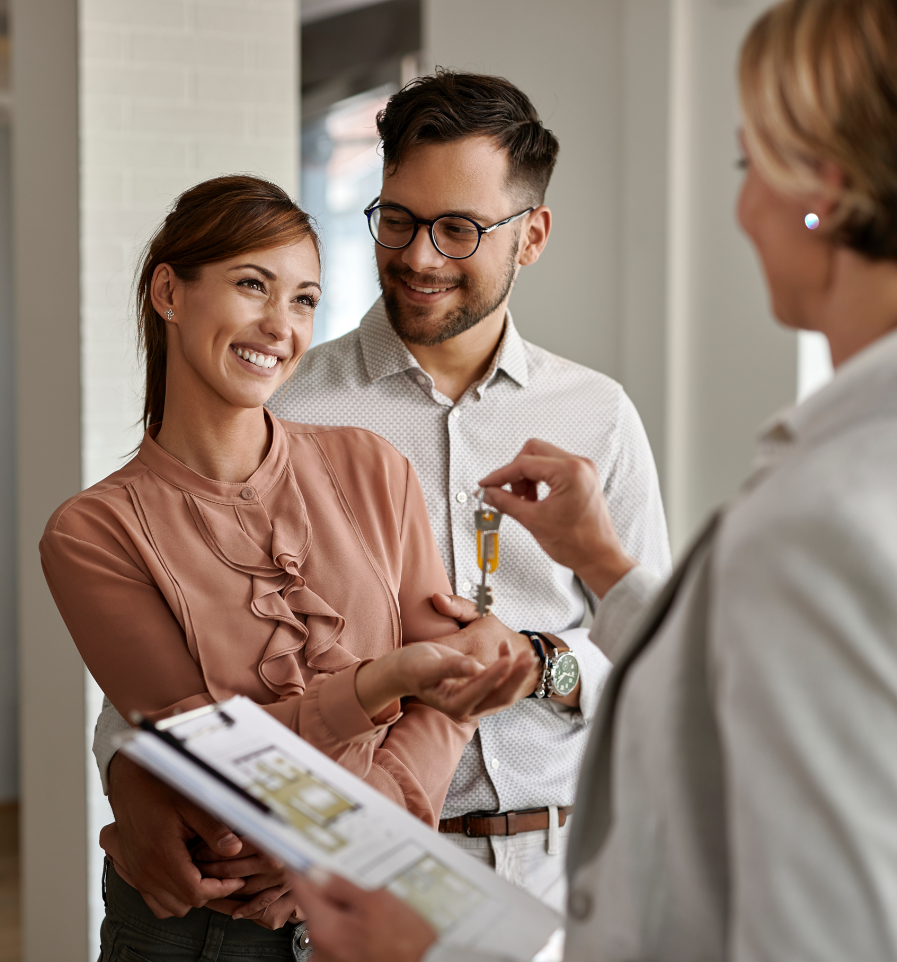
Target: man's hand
point(482, 636)
point(153, 826)
point(348, 924)
point(572, 524)
point(479, 636)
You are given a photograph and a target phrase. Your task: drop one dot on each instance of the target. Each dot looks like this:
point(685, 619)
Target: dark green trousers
point(131, 933)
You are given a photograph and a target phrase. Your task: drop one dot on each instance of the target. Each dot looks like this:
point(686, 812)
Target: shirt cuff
point(619, 612)
point(594, 669)
point(341, 711)
point(109, 724)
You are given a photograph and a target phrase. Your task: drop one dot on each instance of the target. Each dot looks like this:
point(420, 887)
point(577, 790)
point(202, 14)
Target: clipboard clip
point(178, 744)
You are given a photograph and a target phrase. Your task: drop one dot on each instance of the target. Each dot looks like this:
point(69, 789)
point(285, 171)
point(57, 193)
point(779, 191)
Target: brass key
point(487, 522)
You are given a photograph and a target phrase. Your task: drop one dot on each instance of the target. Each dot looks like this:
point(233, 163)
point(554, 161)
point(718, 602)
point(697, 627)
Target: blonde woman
point(738, 799)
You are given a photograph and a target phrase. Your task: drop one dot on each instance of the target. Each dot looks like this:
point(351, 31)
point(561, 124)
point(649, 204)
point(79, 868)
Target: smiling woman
point(239, 554)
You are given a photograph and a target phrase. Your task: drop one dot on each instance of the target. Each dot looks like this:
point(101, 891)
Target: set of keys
point(487, 521)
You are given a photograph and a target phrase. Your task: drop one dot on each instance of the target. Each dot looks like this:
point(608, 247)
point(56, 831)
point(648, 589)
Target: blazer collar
point(864, 387)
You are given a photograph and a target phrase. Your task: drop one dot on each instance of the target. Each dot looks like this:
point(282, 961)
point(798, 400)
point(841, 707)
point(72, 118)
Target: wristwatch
point(560, 666)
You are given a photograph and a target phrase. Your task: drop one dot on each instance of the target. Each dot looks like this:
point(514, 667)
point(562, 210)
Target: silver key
point(487, 522)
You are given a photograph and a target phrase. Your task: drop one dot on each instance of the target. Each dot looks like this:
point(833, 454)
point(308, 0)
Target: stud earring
point(812, 221)
point(170, 313)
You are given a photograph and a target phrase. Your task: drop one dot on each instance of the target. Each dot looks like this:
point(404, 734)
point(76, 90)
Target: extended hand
point(347, 924)
point(482, 637)
point(149, 840)
point(490, 690)
point(572, 523)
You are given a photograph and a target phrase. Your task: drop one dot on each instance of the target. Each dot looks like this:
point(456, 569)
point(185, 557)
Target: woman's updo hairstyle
point(215, 220)
point(818, 83)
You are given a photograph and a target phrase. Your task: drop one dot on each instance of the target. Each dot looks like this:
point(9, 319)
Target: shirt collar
point(384, 353)
point(175, 472)
point(864, 386)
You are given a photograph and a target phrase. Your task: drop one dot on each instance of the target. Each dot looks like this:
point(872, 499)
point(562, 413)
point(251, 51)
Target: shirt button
point(495, 763)
point(247, 494)
point(421, 379)
point(466, 586)
point(579, 905)
point(461, 497)
point(456, 412)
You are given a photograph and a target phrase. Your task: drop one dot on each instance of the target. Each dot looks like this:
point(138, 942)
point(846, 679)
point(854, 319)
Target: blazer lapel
point(593, 794)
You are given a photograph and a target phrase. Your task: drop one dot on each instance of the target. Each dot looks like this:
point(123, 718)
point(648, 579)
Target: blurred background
point(110, 108)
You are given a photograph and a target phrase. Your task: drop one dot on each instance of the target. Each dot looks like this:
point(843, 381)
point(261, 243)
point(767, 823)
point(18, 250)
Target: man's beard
point(410, 322)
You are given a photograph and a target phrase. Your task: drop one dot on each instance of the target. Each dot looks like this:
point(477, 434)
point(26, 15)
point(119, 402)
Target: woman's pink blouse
point(180, 591)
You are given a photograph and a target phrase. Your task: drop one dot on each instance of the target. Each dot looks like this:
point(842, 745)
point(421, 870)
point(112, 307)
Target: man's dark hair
point(447, 106)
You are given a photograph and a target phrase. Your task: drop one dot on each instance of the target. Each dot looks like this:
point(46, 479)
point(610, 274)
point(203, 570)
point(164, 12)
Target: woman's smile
point(257, 361)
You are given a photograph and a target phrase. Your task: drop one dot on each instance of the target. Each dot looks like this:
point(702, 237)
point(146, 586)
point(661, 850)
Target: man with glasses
point(438, 368)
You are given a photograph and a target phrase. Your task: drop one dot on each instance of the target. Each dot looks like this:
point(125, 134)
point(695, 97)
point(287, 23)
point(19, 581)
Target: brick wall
point(172, 92)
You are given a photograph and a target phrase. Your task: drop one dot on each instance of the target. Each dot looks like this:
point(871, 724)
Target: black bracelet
point(539, 643)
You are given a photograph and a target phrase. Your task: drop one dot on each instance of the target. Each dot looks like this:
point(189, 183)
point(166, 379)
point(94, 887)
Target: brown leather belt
point(475, 825)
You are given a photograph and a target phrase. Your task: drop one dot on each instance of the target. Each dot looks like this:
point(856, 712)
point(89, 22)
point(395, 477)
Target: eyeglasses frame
point(429, 224)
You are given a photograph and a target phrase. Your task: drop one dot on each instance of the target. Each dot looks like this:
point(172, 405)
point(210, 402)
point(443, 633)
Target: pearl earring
point(170, 313)
point(812, 221)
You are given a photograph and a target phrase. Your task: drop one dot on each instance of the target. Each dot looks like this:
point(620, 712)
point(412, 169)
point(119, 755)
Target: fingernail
point(317, 876)
point(238, 915)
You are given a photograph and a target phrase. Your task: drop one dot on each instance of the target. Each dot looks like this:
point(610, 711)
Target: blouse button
point(247, 494)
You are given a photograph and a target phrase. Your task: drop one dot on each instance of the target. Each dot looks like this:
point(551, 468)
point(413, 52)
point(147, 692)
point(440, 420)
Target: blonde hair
point(818, 83)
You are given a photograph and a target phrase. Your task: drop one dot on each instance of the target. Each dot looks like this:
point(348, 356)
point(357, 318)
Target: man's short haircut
point(447, 106)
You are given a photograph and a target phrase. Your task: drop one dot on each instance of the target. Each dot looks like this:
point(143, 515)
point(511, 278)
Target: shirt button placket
point(458, 518)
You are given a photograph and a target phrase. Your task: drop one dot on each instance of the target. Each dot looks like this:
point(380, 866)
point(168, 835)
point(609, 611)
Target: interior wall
point(566, 56)
point(48, 470)
point(120, 105)
point(731, 366)
point(9, 689)
point(646, 276)
point(171, 94)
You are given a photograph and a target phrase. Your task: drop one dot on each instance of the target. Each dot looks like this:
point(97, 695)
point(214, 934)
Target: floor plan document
point(265, 782)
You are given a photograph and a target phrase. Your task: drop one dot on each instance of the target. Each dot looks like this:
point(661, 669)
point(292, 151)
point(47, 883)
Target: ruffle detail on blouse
point(279, 592)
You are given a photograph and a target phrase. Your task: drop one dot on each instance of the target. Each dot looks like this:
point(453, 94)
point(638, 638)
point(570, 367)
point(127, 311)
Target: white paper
point(324, 815)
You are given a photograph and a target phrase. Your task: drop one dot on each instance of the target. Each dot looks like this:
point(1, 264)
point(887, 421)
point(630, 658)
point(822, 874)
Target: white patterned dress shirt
point(529, 755)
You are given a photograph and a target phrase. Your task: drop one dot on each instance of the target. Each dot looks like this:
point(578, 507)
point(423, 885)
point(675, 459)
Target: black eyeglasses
point(452, 235)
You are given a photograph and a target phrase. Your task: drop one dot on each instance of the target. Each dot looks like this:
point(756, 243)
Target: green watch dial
point(565, 674)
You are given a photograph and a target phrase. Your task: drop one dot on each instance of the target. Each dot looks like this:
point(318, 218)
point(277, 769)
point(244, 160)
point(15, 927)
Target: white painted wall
point(48, 470)
point(9, 688)
point(566, 56)
point(731, 365)
point(646, 276)
point(121, 105)
point(172, 92)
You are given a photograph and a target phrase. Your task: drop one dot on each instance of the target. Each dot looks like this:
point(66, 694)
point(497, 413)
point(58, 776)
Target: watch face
point(565, 674)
